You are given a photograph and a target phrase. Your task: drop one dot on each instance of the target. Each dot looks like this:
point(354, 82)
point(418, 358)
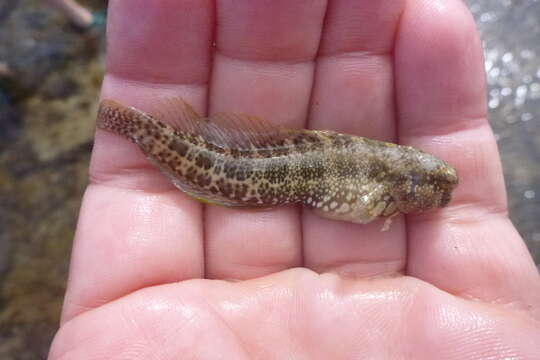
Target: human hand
point(154, 275)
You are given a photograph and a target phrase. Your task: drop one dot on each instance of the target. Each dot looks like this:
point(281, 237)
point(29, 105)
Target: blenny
point(243, 161)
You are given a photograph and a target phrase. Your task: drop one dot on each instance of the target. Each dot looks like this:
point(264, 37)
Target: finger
point(354, 93)
point(263, 66)
point(135, 229)
point(470, 248)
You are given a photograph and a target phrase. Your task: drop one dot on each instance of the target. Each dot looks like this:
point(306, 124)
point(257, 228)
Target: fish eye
point(415, 178)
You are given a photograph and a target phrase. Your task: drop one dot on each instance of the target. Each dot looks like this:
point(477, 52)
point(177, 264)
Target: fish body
point(242, 161)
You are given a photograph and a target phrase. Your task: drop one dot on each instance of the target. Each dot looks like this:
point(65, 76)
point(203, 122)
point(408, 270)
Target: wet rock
point(10, 121)
point(54, 126)
point(48, 97)
point(37, 41)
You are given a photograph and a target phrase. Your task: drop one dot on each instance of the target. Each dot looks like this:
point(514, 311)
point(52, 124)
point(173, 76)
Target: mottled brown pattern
point(341, 176)
point(178, 146)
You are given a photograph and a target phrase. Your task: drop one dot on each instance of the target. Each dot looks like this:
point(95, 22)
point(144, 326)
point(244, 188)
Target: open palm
point(156, 275)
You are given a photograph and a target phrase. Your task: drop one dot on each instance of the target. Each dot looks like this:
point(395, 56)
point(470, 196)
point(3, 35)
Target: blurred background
point(51, 67)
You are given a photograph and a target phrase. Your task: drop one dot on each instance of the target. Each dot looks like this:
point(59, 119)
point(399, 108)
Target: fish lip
point(453, 176)
point(452, 181)
point(445, 198)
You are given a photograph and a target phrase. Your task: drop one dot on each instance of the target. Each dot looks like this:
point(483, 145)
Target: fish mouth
point(445, 198)
point(449, 183)
point(452, 177)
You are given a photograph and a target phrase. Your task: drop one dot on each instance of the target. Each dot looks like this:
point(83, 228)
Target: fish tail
point(119, 119)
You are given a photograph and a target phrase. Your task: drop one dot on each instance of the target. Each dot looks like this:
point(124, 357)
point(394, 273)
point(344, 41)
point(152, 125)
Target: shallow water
point(510, 30)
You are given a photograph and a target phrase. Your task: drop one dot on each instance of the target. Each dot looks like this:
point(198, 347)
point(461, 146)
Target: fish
point(241, 160)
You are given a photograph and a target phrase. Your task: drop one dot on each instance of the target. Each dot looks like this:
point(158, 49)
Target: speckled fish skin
point(340, 176)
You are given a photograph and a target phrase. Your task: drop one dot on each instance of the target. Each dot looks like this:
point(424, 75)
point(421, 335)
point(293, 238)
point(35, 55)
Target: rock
point(49, 83)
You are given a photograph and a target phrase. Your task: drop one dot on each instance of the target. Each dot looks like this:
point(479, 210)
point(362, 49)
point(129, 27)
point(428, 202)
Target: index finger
point(470, 248)
point(135, 229)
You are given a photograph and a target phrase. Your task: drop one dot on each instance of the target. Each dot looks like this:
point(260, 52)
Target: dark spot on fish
point(280, 142)
point(204, 160)
point(377, 171)
point(191, 174)
point(203, 180)
point(214, 148)
point(240, 191)
point(225, 188)
point(235, 153)
point(264, 152)
point(276, 172)
point(244, 171)
point(298, 140)
point(283, 151)
point(180, 147)
point(268, 196)
point(173, 165)
point(230, 169)
point(217, 169)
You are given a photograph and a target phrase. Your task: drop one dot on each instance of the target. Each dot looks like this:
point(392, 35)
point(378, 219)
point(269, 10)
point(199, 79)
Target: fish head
point(424, 182)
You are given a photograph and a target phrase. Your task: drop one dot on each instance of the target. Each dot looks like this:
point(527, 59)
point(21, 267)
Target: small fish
point(243, 161)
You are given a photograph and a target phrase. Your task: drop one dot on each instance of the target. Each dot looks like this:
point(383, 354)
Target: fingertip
point(166, 41)
point(439, 67)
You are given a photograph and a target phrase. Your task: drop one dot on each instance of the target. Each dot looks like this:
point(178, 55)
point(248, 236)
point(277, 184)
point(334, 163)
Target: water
point(510, 31)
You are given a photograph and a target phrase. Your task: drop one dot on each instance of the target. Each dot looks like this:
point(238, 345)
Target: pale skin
point(156, 275)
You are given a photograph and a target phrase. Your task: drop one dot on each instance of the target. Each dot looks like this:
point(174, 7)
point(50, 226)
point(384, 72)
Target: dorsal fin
point(228, 130)
point(177, 113)
point(242, 131)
